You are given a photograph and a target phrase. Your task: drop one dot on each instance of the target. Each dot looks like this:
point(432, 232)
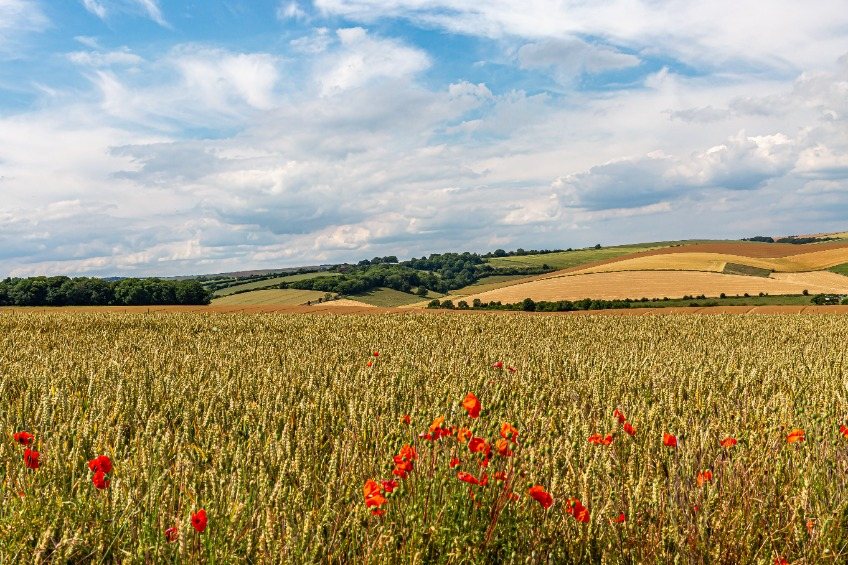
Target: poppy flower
point(728, 442)
point(629, 429)
point(497, 365)
point(31, 459)
point(172, 534)
point(620, 519)
point(669, 440)
point(376, 354)
point(479, 445)
point(500, 476)
point(24, 438)
point(619, 415)
point(705, 476)
point(199, 521)
point(509, 432)
point(389, 486)
point(843, 429)
point(100, 481)
point(795, 436)
point(378, 512)
point(502, 447)
point(437, 424)
point(463, 435)
point(780, 561)
point(406, 419)
point(811, 524)
point(408, 452)
point(539, 494)
point(467, 478)
point(600, 439)
point(455, 462)
point(511, 369)
point(369, 364)
point(576, 509)
point(471, 405)
point(484, 462)
point(484, 480)
point(100, 463)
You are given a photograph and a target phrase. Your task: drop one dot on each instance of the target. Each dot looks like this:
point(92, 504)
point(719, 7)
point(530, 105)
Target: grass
point(269, 283)
point(273, 424)
point(780, 300)
point(387, 297)
point(747, 270)
point(840, 269)
point(281, 297)
point(567, 259)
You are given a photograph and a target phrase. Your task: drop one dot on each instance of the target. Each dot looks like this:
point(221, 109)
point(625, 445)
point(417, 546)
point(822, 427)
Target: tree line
point(85, 291)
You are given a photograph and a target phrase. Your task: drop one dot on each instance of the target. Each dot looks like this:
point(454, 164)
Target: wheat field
point(273, 424)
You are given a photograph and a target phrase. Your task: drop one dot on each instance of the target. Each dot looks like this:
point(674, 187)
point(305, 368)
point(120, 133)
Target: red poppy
point(378, 512)
point(500, 476)
point(31, 457)
point(843, 429)
point(100, 463)
point(509, 432)
point(538, 493)
point(728, 442)
point(455, 462)
point(629, 429)
point(795, 435)
point(600, 439)
point(479, 445)
point(811, 525)
point(502, 447)
point(172, 534)
point(408, 452)
point(576, 509)
point(199, 521)
point(620, 519)
point(705, 476)
point(437, 424)
point(471, 405)
point(484, 462)
point(100, 481)
point(389, 486)
point(406, 419)
point(619, 415)
point(24, 438)
point(369, 364)
point(463, 435)
point(497, 365)
point(780, 561)
point(669, 440)
point(467, 478)
point(376, 354)
point(511, 369)
point(484, 480)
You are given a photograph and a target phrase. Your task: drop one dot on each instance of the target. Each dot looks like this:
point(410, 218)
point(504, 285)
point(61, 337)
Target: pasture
point(274, 425)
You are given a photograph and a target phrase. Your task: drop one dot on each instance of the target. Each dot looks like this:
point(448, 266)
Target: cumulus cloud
point(571, 57)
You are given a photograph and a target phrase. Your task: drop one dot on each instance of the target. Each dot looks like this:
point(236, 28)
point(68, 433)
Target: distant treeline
point(530, 305)
point(794, 240)
point(439, 272)
point(84, 291)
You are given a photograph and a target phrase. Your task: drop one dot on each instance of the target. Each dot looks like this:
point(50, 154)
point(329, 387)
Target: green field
point(270, 297)
point(841, 269)
point(268, 283)
point(274, 424)
point(387, 297)
point(745, 270)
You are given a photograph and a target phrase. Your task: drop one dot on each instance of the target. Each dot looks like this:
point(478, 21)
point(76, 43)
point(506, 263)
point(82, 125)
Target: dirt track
point(323, 310)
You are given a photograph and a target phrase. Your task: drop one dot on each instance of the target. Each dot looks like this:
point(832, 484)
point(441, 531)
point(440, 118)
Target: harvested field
point(284, 297)
point(655, 284)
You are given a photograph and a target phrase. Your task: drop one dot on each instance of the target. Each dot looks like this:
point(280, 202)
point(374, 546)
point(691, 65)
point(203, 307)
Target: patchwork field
point(274, 424)
point(267, 283)
point(659, 284)
point(282, 297)
point(386, 297)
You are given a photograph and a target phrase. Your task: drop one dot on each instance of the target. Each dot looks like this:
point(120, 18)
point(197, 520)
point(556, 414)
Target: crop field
point(386, 297)
point(604, 438)
point(267, 283)
point(568, 259)
point(660, 284)
point(281, 297)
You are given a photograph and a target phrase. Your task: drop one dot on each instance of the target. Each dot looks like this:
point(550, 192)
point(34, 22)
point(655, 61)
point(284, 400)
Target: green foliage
point(82, 291)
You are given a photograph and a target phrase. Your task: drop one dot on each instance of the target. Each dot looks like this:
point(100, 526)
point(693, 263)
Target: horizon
point(142, 138)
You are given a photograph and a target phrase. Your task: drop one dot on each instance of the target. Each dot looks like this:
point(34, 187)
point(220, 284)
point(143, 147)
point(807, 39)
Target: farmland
point(281, 297)
point(273, 424)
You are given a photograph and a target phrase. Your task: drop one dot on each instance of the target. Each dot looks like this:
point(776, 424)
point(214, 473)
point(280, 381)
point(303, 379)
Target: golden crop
point(273, 423)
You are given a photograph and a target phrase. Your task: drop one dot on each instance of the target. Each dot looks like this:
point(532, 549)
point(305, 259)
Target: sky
point(165, 137)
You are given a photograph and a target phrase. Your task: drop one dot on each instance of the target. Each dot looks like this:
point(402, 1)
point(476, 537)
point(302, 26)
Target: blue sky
point(143, 137)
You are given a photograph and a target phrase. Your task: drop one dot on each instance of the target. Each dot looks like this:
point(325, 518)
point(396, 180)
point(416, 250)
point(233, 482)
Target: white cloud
point(151, 7)
point(362, 58)
point(17, 18)
point(95, 7)
point(105, 59)
point(571, 57)
point(290, 10)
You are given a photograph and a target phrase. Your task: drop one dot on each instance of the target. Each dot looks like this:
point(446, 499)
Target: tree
point(528, 305)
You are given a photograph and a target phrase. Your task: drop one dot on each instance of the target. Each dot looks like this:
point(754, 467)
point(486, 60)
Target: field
point(659, 284)
point(281, 297)
point(273, 424)
point(569, 259)
point(386, 297)
point(840, 269)
point(267, 283)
